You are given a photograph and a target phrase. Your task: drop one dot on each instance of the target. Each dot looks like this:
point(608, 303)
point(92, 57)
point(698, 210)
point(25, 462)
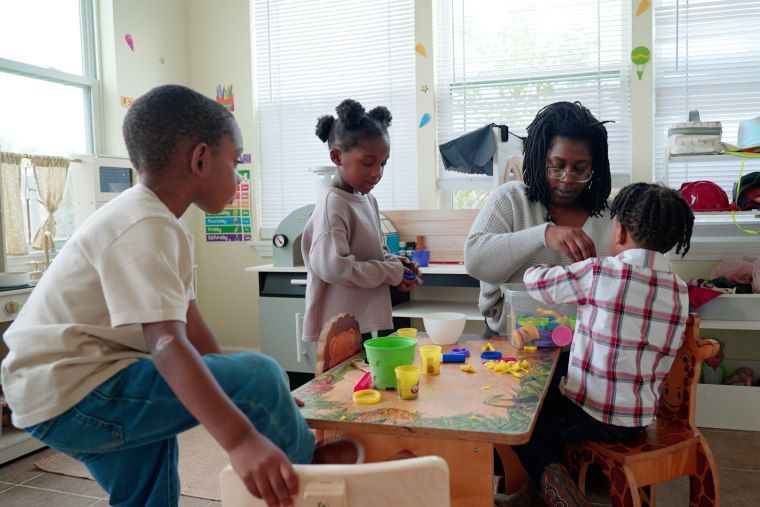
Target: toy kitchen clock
point(287, 238)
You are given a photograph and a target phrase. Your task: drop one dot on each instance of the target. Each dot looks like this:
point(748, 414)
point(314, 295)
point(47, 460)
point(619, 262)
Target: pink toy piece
point(365, 382)
point(562, 335)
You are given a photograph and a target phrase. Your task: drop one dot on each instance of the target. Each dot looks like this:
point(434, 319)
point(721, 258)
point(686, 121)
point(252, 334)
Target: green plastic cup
point(384, 354)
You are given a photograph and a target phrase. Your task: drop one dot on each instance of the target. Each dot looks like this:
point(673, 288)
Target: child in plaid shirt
point(632, 313)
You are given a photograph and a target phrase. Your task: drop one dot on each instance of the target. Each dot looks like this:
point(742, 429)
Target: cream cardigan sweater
point(508, 237)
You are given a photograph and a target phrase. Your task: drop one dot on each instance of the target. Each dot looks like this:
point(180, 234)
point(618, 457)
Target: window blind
point(309, 56)
point(706, 59)
point(501, 62)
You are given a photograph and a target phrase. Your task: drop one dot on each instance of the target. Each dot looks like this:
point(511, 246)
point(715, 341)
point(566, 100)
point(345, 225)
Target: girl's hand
point(571, 241)
point(411, 277)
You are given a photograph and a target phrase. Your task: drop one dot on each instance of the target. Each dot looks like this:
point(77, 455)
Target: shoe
point(558, 489)
point(343, 451)
point(523, 497)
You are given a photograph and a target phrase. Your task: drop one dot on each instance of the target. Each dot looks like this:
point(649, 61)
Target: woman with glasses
point(558, 215)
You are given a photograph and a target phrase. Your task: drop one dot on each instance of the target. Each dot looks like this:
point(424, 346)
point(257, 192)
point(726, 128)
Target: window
point(500, 62)
point(706, 59)
point(309, 56)
point(48, 93)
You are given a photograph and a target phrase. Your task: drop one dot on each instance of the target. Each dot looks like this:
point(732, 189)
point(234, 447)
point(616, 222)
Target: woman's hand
point(571, 241)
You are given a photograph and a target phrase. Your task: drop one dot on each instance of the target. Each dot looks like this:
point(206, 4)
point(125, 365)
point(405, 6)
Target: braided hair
point(572, 121)
point(658, 218)
point(352, 125)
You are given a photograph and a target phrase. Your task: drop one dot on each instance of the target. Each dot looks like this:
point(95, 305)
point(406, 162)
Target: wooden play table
point(458, 416)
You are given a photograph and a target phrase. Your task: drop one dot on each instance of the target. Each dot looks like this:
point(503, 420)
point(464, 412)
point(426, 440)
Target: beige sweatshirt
point(348, 265)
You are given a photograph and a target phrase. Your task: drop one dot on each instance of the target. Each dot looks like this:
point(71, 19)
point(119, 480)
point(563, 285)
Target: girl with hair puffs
point(349, 268)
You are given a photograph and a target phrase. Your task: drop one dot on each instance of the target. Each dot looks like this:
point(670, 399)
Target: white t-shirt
point(128, 264)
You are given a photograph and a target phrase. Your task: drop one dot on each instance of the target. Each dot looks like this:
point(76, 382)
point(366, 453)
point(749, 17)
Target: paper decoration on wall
point(640, 57)
point(161, 59)
point(246, 158)
point(643, 6)
point(424, 120)
point(126, 101)
point(234, 222)
point(424, 89)
point(225, 97)
point(130, 42)
point(421, 50)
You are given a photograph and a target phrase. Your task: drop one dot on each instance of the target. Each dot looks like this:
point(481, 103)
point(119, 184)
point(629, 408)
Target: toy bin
point(529, 322)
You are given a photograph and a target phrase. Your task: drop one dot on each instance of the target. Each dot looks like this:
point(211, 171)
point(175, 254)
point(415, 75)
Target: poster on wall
point(234, 222)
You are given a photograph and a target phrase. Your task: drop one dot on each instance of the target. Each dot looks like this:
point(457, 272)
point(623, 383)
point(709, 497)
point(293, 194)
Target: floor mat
point(200, 461)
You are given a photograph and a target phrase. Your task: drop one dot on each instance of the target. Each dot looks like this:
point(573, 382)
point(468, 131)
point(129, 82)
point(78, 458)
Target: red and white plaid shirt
point(631, 320)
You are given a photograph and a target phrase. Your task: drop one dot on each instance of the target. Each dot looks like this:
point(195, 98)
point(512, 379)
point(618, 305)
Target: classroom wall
point(205, 44)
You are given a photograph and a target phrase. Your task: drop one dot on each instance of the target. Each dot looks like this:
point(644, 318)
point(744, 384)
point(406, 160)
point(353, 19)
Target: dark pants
point(561, 422)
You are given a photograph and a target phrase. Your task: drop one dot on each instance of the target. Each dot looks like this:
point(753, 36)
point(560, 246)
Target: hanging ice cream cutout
point(130, 42)
point(640, 57)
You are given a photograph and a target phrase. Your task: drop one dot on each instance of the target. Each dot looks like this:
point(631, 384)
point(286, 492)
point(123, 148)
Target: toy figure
point(742, 377)
point(713, 372)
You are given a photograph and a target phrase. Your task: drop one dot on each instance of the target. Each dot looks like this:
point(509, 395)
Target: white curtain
point(50, 174)
point(309, 56)
point(500, 62)
point(13, 210)
point(706, 59)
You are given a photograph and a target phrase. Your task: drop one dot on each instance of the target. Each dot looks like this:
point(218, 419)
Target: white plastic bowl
point(444, 328)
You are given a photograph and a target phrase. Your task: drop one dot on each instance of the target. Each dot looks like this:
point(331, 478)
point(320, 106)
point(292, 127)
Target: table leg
point(470, 463)
point(514, 473)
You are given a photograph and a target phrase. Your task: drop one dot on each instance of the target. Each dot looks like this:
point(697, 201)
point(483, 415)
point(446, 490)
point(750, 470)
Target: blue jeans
point(561, 422)
point(125, 430)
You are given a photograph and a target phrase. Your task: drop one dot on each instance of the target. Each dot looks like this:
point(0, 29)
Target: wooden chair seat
point(671, 446)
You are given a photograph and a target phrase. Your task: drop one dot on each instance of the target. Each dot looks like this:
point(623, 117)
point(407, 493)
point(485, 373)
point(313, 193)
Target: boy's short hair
point(658, 218)
point(160, 119)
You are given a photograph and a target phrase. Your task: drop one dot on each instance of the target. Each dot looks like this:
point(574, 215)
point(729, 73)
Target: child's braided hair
point(657, 217)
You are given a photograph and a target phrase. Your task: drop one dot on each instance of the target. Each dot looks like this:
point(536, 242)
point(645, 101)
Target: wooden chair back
point(340, 339)
point(671, 446)
point(406, 482)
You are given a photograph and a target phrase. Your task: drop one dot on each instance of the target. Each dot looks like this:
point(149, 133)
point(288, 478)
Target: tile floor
point(737, 454)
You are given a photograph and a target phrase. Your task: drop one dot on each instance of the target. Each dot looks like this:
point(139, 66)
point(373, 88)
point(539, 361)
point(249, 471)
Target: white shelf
point(15, 443)
point(419, 308)
point(750, 325)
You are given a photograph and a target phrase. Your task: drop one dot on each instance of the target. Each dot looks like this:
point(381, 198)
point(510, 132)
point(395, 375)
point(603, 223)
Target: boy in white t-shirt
point(110, 358)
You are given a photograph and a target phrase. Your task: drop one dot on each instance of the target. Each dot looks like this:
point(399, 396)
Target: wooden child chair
point(408, 482)
point(671, 446)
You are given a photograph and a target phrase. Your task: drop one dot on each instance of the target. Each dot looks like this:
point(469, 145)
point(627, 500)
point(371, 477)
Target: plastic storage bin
point(530, 322)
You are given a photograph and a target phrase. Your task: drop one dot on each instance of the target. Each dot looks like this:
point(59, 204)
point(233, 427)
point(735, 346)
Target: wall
point(203, 44)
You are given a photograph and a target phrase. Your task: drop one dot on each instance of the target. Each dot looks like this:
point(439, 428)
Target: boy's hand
point(571, 241)
point(265, 471)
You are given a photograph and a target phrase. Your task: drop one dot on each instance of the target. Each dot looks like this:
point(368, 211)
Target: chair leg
point(623, 489)
point(704, 488)
point(647, 495)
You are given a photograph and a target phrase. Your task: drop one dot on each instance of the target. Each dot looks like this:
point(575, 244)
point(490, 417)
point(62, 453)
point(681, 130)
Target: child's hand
point(410, 280)
point(265, 470)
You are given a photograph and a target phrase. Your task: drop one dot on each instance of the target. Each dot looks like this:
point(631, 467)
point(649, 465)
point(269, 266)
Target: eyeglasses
point(556, 173)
